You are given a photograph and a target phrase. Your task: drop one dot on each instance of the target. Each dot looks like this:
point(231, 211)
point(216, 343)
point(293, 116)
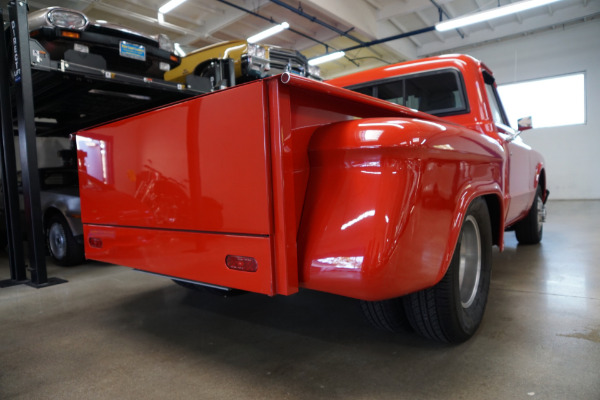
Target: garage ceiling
point(338, 24)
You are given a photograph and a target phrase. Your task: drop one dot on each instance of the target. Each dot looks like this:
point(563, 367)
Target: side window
point(493, 99)
point(496, 113)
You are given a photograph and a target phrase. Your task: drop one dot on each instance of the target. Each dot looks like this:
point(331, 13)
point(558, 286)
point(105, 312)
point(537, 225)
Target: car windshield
point(54, 178)
point(439, 92)
point(58, 178)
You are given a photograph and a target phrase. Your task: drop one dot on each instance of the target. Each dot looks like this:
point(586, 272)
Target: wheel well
point(50, 212)
point(493, 204)
point(542, 183)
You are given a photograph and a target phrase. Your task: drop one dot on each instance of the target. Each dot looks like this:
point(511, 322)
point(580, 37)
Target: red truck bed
point(176, 190)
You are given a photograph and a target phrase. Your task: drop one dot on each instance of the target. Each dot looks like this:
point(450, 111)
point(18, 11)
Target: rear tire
point(386, 315)
point(452, 310)
point(531, 229)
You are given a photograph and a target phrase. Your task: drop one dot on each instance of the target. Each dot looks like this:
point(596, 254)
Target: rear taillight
point(95, 242)
point(72, 35)
point(241, 263)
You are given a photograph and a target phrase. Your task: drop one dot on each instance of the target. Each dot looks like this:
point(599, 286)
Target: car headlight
point(257, 50)
point(165, 43)
point(313, 70)
point(69, 19)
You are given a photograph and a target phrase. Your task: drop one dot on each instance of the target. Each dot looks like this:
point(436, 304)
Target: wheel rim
point(57, 241)
point(469, 270)
point(541, 213)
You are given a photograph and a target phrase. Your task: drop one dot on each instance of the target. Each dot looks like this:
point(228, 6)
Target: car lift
point(53, 88)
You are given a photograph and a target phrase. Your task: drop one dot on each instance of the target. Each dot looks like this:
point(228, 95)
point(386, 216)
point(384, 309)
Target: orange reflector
point(72, 35)
point(95, 242)
point(241, 263)
point(174, 58)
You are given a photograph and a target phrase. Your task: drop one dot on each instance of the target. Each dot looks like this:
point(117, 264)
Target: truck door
point(520, 186)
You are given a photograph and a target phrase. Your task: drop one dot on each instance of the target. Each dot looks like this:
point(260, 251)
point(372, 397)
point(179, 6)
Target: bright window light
point(165, 8)
point(555, 101)
point(491, 14)
point(269, 32)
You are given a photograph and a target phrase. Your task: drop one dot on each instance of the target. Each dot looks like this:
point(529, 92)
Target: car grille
point(282, 60)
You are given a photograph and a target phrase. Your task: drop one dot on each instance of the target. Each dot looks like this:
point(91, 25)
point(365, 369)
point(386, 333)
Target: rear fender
point(385, 202)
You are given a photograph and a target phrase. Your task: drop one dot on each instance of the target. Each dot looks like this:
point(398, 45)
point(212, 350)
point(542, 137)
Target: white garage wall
point(572, 153)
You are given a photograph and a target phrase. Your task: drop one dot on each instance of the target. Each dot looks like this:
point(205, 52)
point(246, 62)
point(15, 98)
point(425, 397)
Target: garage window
point(555, 101)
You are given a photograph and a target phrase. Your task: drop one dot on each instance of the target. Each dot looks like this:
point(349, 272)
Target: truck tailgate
point(177, 190)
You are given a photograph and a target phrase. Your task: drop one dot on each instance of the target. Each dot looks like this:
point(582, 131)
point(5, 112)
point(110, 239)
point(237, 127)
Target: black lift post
point(21, 64)
point(14, 235)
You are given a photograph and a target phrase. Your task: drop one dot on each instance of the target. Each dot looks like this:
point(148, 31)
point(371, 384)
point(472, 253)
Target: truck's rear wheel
point(387, 314)
point(452, 310)
point(531, 228)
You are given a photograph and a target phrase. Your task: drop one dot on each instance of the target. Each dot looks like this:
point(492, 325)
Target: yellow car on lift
point(222, 64)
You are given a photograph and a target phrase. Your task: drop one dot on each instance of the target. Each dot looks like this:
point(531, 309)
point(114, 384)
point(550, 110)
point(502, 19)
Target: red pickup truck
point(288, 183)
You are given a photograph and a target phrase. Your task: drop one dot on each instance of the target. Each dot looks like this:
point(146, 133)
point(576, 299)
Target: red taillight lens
point(95, 242)
point(241, 263)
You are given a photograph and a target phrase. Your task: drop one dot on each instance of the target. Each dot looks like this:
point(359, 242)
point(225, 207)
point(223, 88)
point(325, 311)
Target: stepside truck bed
point(216, 189)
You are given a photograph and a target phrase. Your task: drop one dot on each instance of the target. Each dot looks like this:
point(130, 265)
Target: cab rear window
point(439, 92)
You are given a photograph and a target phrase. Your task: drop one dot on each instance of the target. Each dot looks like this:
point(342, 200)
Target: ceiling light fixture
point(491, 14)
point(326, 58)
point(269, 32)
point(168, 6)
point(179, 50)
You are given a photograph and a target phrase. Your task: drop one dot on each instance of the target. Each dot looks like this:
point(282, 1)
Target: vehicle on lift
point(63, 34)
point(222, 65)
point(228, 63)
point(310, 185)
point(287, 60)
point(61, 213)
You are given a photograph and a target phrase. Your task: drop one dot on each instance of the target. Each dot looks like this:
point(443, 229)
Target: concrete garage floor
point(114, 333)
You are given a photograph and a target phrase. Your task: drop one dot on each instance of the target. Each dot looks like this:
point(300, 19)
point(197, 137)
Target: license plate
point(131, 50)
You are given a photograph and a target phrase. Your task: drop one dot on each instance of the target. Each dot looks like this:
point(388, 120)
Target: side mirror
point(524, 124)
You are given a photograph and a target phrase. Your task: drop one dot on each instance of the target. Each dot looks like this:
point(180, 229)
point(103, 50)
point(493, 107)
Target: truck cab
point(461, 90)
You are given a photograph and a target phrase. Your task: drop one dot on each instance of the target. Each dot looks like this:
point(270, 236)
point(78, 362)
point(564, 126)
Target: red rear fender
point(385, 203)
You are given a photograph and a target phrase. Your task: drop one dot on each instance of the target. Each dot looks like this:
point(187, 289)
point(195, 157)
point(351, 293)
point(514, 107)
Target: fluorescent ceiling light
point(179, 50)
point(269, 32)
point(491, 14)
point(326, 58)
point(165, 8)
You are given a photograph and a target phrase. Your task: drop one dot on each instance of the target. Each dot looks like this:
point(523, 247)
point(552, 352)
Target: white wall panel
point(572, 152)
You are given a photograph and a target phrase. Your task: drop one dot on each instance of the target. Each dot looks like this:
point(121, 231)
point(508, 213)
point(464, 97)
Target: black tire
point(452, 310)
point(62, 246)
point(386, 314)
point(531, 229)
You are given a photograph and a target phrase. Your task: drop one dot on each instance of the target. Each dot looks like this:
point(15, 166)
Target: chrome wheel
point(57, 241)
point(469, 267)
point(541, 213)
point(452, 310)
